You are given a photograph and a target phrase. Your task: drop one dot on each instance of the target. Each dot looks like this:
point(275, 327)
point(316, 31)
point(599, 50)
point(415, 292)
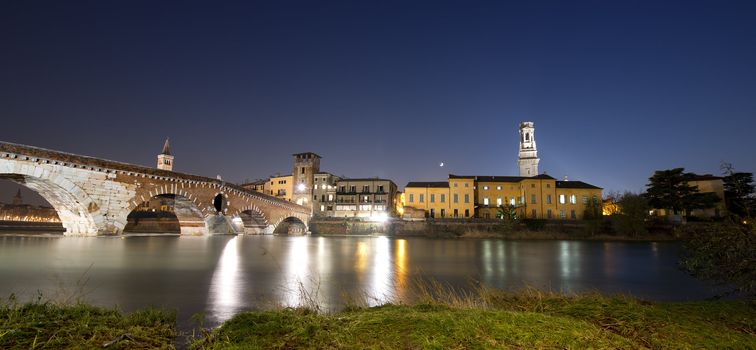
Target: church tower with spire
point(165, 159)
point(528, 160)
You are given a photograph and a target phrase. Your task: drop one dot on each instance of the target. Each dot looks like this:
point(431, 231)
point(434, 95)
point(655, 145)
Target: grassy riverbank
point(495, 320)
point(46, 325)
point(485, 320)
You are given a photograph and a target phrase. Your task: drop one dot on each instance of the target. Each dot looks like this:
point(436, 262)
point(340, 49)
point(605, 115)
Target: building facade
point(324, 194)
point(370, 198)
point(536, 197)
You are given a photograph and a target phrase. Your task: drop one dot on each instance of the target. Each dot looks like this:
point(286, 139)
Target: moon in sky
point(442, 164)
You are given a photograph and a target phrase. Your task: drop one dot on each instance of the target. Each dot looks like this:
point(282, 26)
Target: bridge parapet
point(94, 196)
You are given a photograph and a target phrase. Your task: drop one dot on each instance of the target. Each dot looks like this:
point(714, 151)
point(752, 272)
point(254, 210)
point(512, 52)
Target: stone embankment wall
point(399, 228)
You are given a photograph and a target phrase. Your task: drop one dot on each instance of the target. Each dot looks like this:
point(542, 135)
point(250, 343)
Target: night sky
point(617, 89)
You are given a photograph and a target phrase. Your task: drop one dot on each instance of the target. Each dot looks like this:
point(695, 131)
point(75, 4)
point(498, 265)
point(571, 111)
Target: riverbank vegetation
point(440, 318)
point(492, 319)
point(47, 325)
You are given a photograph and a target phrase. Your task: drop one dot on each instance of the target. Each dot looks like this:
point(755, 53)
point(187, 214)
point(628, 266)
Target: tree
point(507, 213)
point(670, 189)
point(632, 216)
point(723, 253)
point(593, 216)
point(739, 191)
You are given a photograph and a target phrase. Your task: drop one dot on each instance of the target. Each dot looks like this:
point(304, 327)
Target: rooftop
point(575, 184)
point(437, 184)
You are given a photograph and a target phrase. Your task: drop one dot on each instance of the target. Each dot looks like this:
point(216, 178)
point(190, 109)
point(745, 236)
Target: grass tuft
point(43, 324)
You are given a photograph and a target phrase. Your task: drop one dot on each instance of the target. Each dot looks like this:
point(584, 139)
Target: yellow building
point(705, 184)
point(536, 197)
point(432, 197)
point(280, 186)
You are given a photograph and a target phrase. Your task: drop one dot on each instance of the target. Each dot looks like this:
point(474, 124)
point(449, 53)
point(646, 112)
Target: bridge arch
point(291, 225)
point(252, 220)
point(78, 213)
point(187, 210)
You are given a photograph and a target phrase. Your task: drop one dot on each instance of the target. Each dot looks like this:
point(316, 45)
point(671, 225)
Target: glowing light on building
point(379, 217)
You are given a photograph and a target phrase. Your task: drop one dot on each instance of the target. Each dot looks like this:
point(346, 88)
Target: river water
point(222, 275)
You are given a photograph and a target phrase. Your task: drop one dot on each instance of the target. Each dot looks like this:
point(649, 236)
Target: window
point(411, 197)
point(466, 184)
point(330, 197)
point(380, 188)
point(487, 215)
point(432, 213)
point(443, 213)
point(322, 207)
point(456, 213)
point(485, 200)
point(572, 214)
point(548, 185)
point(443, 200)
point(548, 214)
point(467, 199)
point(343, 189)
point(573, 199)
point(532, 185)
point(365, 207)
point(498, 188)
point(561, 213)
point(533, 213)
point(422, 198)
point(512, 201)
point(456, 198)
point(561, 199)
point(302, 170)
point(433, 198)
point(585, 199)
point(455, 184)
point(485, 188)
point(467, 213)
point(595, 200)
point(548, 199)
point(353, 189)
point(498, 201)
point(365, 189)
point(532, 199)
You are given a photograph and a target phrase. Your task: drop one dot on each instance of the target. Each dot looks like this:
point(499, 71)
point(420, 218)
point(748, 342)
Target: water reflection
point(381, 286)
point(222, 275)
point(401, 271)
point(300, 286)
point(225, 288)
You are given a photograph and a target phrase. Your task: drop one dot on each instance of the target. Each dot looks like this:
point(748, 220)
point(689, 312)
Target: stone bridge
point(95, 196)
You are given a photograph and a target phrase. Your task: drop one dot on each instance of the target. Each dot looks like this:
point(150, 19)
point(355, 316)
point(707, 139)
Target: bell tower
point(527, 159)
point(165, 159)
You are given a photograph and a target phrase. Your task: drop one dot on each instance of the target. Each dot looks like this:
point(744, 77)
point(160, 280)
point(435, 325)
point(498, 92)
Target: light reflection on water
point(222, 275)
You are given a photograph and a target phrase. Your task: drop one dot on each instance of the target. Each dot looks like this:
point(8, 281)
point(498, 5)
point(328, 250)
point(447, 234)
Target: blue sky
point(386, 88)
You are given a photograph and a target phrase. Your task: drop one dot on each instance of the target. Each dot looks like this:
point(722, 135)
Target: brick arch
point(284, 222)
point(78, 213)
point(188, 208)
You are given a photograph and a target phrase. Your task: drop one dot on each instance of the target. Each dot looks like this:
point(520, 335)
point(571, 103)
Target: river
point(222, 275)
